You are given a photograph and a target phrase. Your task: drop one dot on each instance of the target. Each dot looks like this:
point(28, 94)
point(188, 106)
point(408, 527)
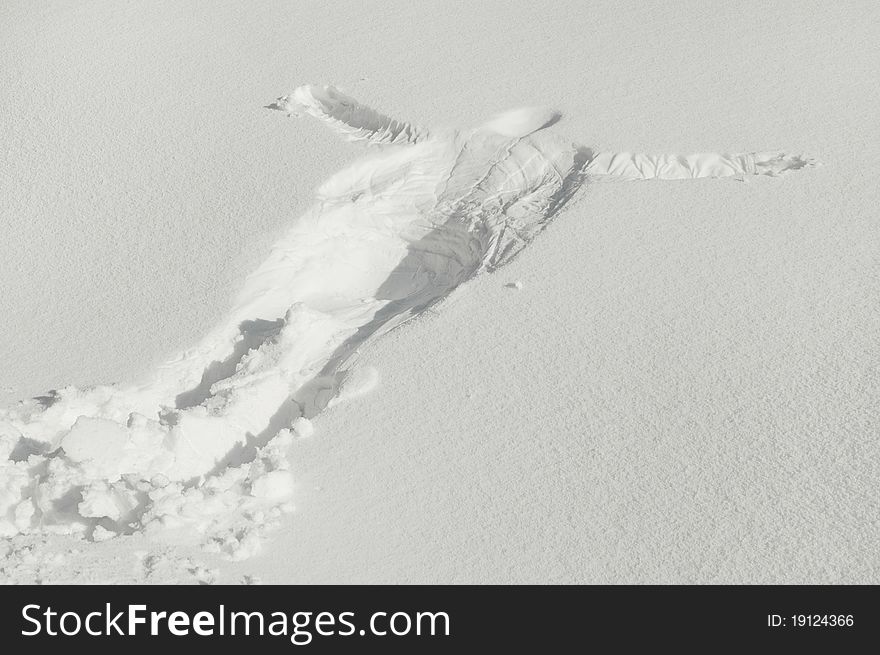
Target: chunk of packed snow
point(303, 427)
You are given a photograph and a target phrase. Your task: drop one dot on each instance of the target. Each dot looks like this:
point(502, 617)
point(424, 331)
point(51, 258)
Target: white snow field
point(676, 382)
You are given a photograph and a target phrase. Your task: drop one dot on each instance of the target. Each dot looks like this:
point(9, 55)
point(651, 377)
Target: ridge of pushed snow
point(356, 121)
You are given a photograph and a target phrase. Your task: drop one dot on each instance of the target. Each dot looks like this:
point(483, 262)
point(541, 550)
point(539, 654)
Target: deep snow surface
point(682, 389)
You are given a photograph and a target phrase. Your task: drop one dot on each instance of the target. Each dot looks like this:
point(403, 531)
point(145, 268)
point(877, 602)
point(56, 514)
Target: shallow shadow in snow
point(253, 334)
point(25, 447)
point(48, 399)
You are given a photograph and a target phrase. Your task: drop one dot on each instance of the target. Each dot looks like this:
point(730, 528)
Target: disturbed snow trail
point(203, 444)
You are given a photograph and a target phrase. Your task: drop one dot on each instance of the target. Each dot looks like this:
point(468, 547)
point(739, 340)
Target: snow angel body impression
point(421, 213)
